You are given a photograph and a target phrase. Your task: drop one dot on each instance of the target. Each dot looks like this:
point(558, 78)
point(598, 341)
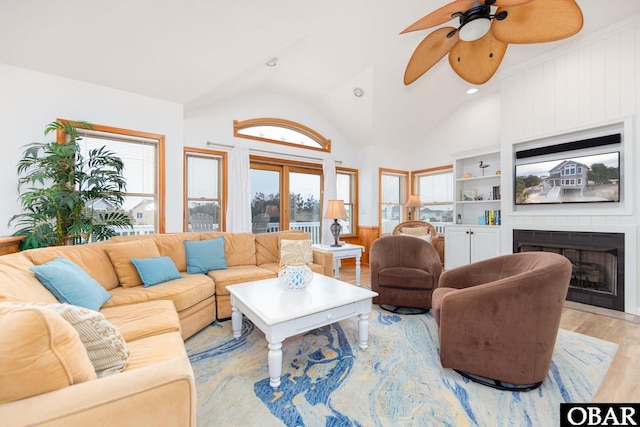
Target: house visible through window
point(142, 154)
point(435, 188)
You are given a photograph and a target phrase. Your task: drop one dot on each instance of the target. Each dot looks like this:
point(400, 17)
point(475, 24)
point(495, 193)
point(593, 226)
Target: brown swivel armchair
point(404, 271)
point(499, 318)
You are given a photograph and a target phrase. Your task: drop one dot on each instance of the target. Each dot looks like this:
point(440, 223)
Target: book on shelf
point(492, 217)
point(495, 193)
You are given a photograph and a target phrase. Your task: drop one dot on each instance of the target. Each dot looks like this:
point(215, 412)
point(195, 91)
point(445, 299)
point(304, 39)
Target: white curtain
point(330, 193)
point(239, 208)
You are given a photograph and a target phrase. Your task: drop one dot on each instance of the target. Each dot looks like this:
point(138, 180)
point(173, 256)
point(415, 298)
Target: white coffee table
point(280, 313)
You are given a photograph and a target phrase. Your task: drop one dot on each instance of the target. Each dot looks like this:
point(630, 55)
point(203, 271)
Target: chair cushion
point(405, 277)
point(415, 231)
point(71, 284)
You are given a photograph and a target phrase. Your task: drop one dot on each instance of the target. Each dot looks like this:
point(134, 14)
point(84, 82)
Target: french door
point(300, 208)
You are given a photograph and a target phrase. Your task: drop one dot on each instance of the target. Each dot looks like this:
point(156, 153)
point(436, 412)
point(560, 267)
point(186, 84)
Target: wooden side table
point(341, 252)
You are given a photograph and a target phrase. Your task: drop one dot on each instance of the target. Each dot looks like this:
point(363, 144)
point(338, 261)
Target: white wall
point(215, 124)
point(31, 100)
point(475, 124)
point(589, 83)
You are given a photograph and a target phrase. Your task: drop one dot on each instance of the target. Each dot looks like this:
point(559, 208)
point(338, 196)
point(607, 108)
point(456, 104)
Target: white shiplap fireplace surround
point(610, 217)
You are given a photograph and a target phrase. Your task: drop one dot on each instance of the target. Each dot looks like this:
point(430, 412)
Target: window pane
point(265, 200)
point(204, 216)
point(304, 204)
point(278, 133)
point(344, 186)
point(202, 177)
point(139, 162)
point(436, 188)
point(390, 189)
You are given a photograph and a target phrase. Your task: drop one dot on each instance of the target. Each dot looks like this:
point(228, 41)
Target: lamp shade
point(335, 210)
point(414, 201)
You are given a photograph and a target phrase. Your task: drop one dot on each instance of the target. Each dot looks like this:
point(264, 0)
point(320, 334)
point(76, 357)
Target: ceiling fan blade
point(507, 3)
point(539, 21)
point(477, 61)
point(430, 50)
point(439, 16)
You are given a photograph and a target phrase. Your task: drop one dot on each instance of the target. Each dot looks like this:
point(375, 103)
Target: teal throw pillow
point(71, 284)
point(156, 270)
point(205, 255)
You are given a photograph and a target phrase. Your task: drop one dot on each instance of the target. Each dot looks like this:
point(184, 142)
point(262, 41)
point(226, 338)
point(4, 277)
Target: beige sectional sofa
point(157, 386)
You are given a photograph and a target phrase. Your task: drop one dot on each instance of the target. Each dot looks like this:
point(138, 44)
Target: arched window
point(281, 131)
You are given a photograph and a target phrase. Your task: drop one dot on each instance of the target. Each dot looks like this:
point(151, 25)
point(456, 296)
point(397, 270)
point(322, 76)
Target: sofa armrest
point(325, 259)
point(163, 393)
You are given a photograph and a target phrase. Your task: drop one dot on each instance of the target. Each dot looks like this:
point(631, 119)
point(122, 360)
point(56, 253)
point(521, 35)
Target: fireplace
point(597, 259)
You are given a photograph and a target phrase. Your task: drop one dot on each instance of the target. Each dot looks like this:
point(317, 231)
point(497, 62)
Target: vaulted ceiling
point(200, 52)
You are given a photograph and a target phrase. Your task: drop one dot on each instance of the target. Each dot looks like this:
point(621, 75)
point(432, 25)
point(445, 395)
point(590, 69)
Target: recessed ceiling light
point(272, 62)
point(472, 91)
point(358, 92)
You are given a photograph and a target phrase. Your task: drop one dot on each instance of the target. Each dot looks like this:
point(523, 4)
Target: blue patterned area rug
point(398, 381)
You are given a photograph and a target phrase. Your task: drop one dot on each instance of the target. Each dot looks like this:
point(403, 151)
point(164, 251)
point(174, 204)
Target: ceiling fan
point(476, 47)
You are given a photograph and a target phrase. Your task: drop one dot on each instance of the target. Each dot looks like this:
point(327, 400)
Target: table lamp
point(335, 210)
point(413, 203)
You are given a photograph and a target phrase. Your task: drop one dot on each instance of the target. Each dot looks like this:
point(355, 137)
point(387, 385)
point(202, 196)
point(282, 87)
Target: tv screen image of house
point(591, 178)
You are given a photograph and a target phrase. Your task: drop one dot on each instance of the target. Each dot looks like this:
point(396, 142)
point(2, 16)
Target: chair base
point(404, 310)
point(499, 385)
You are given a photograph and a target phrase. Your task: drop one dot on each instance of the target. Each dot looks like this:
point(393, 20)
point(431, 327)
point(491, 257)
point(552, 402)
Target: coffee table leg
point(274, 361)
point(363, 330)
point(236, 322)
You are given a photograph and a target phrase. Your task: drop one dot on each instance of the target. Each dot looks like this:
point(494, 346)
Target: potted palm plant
point(61, 188)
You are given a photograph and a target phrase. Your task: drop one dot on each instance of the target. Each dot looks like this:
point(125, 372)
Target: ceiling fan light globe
point(474, 30)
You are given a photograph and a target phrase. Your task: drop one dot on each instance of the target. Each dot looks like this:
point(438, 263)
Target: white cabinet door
point(456, 246)
point(466, 244)
point(484, 243)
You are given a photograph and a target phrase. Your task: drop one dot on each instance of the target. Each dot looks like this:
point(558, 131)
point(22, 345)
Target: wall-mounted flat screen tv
point(593, 178)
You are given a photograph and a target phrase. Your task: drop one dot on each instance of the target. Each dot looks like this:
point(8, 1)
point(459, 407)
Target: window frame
point(354, 198)
point(325, 143)
point(403, 194)
point(222, 185)
point(438, 170)
point(121, 135)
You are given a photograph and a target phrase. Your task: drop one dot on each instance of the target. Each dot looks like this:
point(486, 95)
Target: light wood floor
point(622, 382)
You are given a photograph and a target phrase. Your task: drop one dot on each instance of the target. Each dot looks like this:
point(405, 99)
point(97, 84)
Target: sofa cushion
point(144, 319)
point(184, 292)
point(92, 258)
point(205, 255)
point(154, 349)
point(172, 245)
point(18, 283)
point(121, 254)
point(71, 284)
point(239, 248)
point(156, 270)
point(295, 252)
point(104, 344)
point(39, 352)
point(239, 274)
